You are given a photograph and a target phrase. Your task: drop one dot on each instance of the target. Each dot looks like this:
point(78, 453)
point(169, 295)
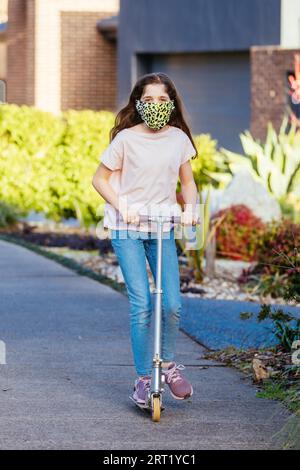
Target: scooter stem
point(156, 372)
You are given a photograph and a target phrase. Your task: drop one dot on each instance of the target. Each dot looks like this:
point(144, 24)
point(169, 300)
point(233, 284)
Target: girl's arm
point(103, 187)
point(189, 194)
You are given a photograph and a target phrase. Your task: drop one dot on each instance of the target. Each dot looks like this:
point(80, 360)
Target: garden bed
point(275, 377)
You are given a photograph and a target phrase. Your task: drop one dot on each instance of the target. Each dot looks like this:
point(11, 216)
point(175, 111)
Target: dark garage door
point(215, 88)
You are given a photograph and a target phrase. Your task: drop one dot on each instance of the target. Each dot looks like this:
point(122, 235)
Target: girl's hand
point(189, 218)
point(130, 216)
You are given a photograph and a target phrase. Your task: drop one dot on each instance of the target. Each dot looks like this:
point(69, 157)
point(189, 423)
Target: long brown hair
point(128, 116)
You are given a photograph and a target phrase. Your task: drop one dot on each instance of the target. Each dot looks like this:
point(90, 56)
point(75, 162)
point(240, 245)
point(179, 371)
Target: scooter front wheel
point(156, 407)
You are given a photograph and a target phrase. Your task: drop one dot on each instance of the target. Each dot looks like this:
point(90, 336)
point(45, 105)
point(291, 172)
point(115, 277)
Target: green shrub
point(47, 162)
point(9, 215)
point(208, 163)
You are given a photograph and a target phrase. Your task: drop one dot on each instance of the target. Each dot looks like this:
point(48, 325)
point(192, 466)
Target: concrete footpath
point(69, 372)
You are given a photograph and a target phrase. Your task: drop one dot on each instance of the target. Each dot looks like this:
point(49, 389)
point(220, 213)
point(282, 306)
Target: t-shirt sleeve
point(112, 157)
point(188, 150)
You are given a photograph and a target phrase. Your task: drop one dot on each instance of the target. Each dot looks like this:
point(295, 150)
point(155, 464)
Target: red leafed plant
point(279, 249)
point(238, 235)
point(277, 270)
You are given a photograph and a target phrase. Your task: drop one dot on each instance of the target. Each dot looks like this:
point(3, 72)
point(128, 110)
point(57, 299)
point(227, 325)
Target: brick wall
point(3, 39)
point(17, 34)
point(30, 52)
point(88, 63)
point(269, 86)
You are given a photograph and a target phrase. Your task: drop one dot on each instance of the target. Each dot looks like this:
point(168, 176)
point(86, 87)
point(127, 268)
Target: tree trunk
point(210, 255)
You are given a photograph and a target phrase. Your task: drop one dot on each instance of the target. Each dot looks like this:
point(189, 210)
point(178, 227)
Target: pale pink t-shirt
point(146, 171)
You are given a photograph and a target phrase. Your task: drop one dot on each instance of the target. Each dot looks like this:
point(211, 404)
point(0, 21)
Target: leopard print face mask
point(155, 115)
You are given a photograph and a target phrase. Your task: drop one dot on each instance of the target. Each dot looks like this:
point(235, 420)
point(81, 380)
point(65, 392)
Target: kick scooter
point(154, 402)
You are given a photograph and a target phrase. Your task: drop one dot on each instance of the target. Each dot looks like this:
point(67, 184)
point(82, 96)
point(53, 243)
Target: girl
point(150, 147)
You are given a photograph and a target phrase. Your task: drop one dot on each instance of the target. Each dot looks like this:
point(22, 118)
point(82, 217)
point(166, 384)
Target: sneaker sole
point(181, 398)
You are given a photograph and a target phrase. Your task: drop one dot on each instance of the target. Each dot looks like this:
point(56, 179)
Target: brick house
point(3, 48)
point(228, 58)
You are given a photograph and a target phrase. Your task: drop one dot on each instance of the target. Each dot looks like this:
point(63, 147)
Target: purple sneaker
point(180, 387)
point(141, 389)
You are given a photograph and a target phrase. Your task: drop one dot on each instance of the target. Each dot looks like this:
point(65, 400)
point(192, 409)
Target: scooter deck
point(144, 407)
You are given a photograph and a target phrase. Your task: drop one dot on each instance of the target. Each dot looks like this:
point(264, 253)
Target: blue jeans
point(131, 254)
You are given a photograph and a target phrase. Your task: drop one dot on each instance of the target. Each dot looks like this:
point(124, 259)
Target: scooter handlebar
point(173, 218)
point(147, 218)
